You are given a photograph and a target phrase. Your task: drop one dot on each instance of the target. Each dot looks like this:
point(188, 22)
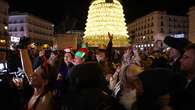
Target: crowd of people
point(103, 78)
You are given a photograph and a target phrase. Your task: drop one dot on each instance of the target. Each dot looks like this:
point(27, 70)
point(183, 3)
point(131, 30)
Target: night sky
point(73, 13)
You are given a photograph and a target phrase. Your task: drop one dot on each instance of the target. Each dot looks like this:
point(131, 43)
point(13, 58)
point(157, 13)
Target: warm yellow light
point(45, 45)
point(5, 27)
point(103, 18)
point(33, 45)
point(2, 41)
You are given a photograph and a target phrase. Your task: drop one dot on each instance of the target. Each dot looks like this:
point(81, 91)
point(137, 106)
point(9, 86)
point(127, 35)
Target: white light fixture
point(5, 27)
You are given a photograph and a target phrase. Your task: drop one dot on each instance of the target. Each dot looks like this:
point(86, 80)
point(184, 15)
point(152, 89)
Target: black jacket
point(90, 99)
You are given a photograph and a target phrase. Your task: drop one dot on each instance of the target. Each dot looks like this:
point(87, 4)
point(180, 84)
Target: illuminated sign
point(15, 39)
point(178, 35)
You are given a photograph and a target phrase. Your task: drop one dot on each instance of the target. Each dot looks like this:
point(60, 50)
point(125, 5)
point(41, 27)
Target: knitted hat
point(177, 43)
point(82, 52)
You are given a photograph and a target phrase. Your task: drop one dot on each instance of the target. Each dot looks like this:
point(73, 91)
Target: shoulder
point(46, 102)
point(48, 95)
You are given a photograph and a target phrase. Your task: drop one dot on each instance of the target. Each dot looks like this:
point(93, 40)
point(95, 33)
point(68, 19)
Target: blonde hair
point(129, 73)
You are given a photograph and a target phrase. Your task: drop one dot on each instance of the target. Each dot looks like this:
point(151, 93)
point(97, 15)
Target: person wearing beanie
point(177, 48)
point(80, 56)
point(186, 98)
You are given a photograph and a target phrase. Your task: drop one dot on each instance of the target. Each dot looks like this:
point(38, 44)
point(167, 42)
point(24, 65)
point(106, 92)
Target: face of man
point(173, 53)
point(78, 60)
point(100, 56)
point(188, 61)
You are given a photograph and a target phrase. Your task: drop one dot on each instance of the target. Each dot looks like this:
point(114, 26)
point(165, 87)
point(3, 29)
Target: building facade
point(191, 14)
point(71, 39)
point(3, 23)
point(152, 28)
point(24, 24)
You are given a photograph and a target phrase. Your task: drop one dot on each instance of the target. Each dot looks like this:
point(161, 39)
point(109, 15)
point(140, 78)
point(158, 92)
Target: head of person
point(53, 57)
point(129, 78)
point(46, 72)
point(68, 56)
point(101, 53)
point(87, 75)
point(188, 60)
point(43, 76)
point(177, 46)
point(148, 61)
point(80, 56)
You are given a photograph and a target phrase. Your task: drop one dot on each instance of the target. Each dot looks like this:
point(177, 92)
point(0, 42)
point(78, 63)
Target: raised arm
point(25, 59)
point(26, 62)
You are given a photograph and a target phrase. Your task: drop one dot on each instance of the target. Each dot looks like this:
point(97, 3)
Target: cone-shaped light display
point(104, 17)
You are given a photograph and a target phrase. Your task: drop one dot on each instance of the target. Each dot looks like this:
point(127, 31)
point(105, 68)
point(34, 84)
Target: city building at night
point(191, 15)
point(106, 16)
point(3, 23)
point(71, 39)
point(152, 28)
point(25, 24)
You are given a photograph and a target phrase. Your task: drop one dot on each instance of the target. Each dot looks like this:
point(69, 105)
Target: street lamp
point(2, 41)
point(5, 27)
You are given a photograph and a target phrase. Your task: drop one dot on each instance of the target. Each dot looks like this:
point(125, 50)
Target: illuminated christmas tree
point(106, 16)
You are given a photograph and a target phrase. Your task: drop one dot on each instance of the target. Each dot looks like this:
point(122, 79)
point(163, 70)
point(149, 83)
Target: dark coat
point(87, 84)
point(158, 82)
point(185, 100)
point(90, 99)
